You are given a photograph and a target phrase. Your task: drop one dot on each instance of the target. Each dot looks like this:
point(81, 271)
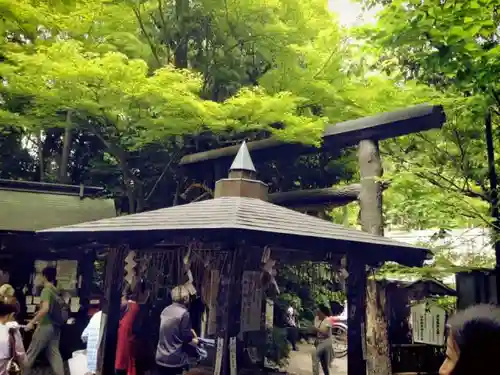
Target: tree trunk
point(133, 185)
point(63, 166)
point(129, 188)
point(41, 159)
point(495, 213)
point(181, 50)
point(139, 195)
point(370, 199)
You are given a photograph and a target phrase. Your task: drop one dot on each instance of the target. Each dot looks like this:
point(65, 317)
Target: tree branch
point(325, 64)
point(435, 177)
point(137, 14)
point(157, 182)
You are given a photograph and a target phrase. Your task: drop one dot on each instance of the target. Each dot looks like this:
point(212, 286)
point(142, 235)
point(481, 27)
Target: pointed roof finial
point(243, 161)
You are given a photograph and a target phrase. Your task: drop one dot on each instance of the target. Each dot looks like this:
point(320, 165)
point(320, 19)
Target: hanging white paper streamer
point(218, 355)
point(232, 356)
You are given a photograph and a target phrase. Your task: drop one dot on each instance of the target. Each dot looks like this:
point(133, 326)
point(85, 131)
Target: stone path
point(300, 362)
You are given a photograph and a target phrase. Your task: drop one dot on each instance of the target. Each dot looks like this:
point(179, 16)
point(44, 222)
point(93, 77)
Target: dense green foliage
point(441, 178)
point(142, 83)
point(450, 46)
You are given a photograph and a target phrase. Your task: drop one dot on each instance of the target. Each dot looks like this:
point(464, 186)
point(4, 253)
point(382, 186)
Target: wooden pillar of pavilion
point(356, 300)
point(86, 270)
point(113, 281)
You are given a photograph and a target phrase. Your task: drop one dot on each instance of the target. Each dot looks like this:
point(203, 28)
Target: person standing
point(91, 336)
point(125, 358)
point(323, 343)
point(127, 350)
point(11, 343)
point(176, 334)
point(47, 335)
point(291, 323)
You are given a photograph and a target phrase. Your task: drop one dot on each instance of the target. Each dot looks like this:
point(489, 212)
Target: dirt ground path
point(300, 362)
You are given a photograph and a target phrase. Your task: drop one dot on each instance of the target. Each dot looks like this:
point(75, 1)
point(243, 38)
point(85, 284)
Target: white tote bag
point(78, 363)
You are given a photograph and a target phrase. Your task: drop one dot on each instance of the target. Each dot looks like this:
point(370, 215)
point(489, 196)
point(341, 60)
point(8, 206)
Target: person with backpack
point(52, 315)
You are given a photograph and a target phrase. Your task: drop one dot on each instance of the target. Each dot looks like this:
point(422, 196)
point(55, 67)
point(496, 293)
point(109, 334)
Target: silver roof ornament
point(243, 161)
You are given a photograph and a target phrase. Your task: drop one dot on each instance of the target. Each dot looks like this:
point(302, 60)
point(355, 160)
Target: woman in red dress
point(126, 345)
point(125, 361)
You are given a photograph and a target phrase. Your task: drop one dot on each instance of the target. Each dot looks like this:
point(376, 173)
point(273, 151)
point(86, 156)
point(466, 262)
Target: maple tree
point(113, 71)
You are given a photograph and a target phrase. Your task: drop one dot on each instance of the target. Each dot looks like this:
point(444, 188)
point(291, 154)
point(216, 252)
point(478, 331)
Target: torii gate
point(349, 133)
point(366, 133)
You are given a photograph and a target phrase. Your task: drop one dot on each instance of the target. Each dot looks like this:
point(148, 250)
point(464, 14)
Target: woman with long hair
point(126, 350)
point(473, 341)
point(125, 360)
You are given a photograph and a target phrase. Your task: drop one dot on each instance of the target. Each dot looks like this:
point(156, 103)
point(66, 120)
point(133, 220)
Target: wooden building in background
point(26, 207)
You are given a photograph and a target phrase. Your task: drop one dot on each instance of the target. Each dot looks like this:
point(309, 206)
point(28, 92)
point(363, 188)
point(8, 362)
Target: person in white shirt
point(91, 335)
point(9, 332)
point(292, 330)
point(323, 342)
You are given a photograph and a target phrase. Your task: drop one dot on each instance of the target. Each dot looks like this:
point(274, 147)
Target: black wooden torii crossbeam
point(349, 133)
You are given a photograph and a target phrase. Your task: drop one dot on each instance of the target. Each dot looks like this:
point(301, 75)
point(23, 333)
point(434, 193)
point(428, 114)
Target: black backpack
point(58, 309)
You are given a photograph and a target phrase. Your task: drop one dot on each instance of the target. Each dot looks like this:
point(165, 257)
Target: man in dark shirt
point(175, 333)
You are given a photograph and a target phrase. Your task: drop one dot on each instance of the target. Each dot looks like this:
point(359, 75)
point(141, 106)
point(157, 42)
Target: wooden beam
point(349, 133)
point(298, 198)
point(335, 196)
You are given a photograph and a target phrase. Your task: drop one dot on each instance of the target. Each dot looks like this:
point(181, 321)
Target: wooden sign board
point(428, 324)
point(251, 301)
